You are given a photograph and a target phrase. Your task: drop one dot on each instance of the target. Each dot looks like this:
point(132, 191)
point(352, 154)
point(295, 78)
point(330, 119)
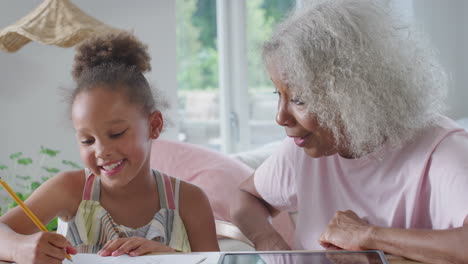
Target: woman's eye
point(116, 135)
point(297, 102)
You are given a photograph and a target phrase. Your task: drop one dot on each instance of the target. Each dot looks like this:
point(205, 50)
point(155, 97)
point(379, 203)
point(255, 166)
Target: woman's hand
point(133, 246)
point(42, 247)
point(346, 230)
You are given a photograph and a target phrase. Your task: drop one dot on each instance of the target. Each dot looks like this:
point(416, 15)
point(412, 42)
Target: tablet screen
point(330, 257)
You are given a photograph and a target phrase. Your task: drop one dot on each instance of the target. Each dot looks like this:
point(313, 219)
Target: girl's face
point(114, 135)
point(301, 125)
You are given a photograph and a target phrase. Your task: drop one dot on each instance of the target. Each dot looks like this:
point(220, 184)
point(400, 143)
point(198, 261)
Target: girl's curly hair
point(117, 62)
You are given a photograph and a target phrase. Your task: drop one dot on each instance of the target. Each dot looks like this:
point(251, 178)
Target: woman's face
point(301, 125)
point(114, 135)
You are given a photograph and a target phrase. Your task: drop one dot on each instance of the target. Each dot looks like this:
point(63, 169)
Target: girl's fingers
point(111, 246)
point(54, 252)
point(71, 250)
point(58, 240)
point(128, 246)
point(56, 245)
point(141, 250)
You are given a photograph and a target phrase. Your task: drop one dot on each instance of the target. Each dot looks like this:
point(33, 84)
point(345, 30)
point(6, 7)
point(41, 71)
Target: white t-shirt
point(423, 184)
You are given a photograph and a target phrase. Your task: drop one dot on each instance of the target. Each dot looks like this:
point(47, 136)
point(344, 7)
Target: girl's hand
point(133, 246)
point(42, 247)
point(346, 230)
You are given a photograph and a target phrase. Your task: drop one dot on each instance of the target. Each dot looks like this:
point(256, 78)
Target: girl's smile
point(112, 168)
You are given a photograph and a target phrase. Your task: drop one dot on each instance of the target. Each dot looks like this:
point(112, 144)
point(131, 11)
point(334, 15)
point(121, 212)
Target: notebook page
point(148, 259)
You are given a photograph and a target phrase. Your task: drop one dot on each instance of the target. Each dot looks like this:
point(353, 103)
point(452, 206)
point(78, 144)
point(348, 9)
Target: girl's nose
point(102, 150)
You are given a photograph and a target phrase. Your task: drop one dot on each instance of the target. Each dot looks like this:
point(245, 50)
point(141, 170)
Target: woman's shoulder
point(448, 139)
point(452, 150)
point(437, 137)
point(448, 154)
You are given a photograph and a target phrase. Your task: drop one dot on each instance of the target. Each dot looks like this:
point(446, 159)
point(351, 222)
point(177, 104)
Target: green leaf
point(45, 178)
point(12, 205)
point(21, 196)
point(16, 155)
point(3, 167)
point(35, 185)
point(51, 170)
point(71, 163)
point(52, 226)
point(49, 152)
point(24, 178)
point(25, 161)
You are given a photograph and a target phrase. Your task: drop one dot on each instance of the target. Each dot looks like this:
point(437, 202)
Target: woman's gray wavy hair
point(361, 75)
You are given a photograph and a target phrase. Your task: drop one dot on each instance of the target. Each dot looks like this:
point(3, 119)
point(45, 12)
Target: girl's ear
point(156, 123)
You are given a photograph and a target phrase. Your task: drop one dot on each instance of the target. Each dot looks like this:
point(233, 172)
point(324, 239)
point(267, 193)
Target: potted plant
point(25, 176)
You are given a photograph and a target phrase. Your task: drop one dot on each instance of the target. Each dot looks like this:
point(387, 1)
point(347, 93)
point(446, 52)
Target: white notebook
point(148, 259)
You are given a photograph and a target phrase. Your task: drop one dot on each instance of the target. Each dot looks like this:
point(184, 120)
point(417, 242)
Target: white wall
point(446, 24)
point(31, 109)
point(464, 48)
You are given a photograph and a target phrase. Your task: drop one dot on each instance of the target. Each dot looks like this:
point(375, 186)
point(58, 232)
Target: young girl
point(118, 204)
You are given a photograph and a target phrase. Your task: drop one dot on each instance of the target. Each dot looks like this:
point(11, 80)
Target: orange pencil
point(26, 209)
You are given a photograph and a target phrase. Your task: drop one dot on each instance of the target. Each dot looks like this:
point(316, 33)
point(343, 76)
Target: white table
point(213, 258)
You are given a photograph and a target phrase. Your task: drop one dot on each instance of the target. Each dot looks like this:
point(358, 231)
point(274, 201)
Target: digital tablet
point(304, 257)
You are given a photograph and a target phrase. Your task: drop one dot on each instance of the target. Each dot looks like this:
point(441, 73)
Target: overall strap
point(177, 187)
point(166, 196)
point(92, 184)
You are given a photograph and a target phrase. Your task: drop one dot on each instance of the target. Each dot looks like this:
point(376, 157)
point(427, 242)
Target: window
point(262, 16)
point(226, 99)
point(197, 75)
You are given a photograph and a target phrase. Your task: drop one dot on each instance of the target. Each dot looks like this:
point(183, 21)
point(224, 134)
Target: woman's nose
point(283, 117)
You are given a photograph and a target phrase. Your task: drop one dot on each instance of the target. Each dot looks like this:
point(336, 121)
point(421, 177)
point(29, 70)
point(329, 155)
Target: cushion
point(254, 158)
point(216, 173)
point(463, 122)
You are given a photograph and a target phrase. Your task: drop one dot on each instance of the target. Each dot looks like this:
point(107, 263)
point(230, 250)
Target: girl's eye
point(116, 135)
point(87, 142)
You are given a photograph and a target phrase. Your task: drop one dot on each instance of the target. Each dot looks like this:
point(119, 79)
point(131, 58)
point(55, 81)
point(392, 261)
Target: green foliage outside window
point(25, 176)
point(197, 53)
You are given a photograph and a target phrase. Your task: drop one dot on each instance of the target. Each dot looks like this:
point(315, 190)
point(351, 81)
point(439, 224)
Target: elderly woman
point(369, 163)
